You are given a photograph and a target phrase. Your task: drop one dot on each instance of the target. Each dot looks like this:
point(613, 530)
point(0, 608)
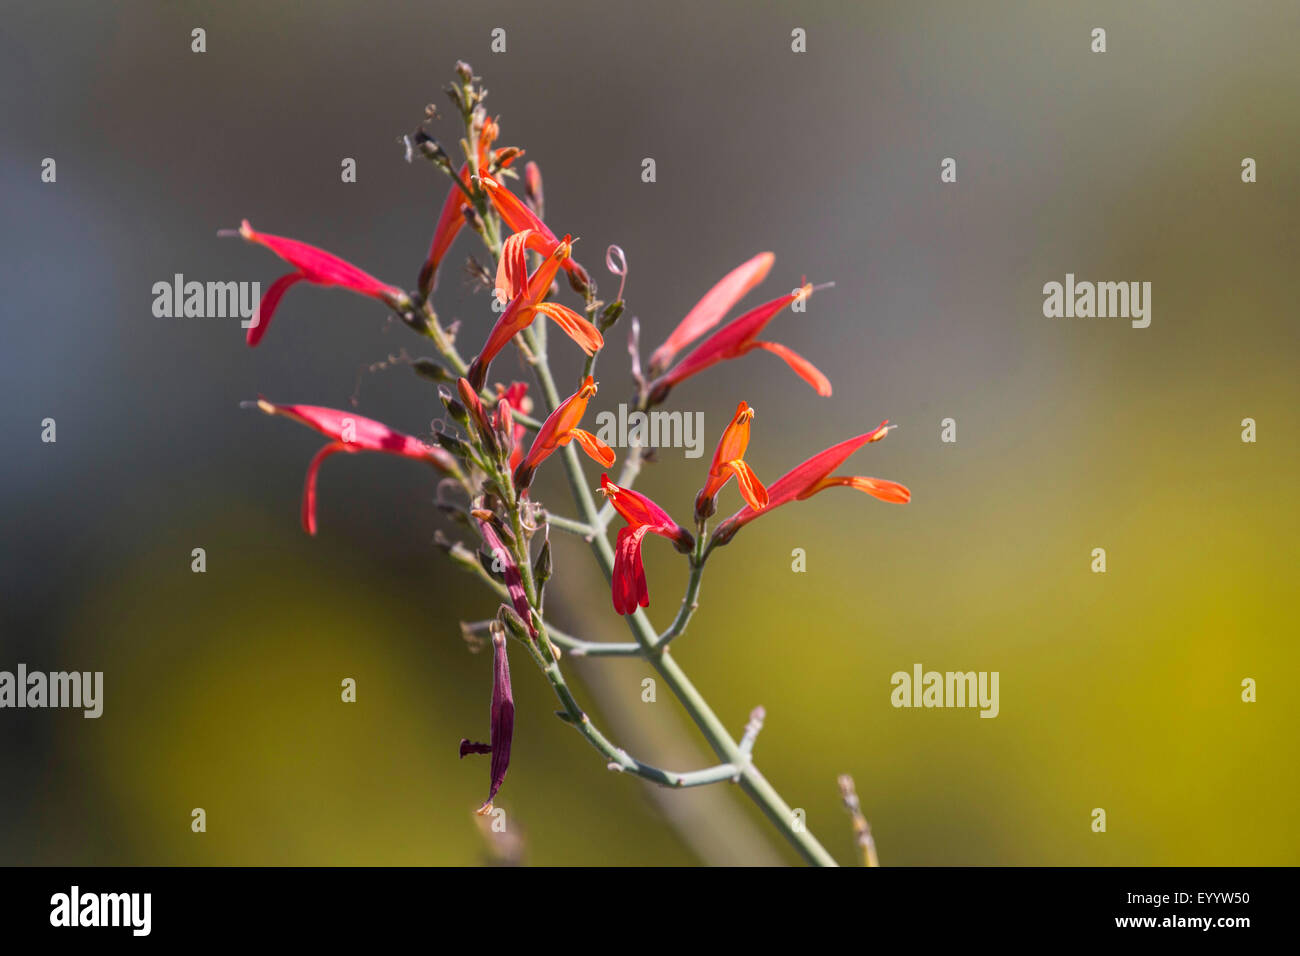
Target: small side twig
point(861, 829)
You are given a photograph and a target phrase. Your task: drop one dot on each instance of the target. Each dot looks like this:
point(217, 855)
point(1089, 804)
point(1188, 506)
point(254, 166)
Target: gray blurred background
point(222, 689)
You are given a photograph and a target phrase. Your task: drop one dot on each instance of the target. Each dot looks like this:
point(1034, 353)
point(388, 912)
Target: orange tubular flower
point(709, 311)
point(814, 475)
point(560, 428)
point(526, 294)
point(520, 218)
point(728, 460)
point(642, 516)
point(316, 266)
point(452, 217)
point(737, 339)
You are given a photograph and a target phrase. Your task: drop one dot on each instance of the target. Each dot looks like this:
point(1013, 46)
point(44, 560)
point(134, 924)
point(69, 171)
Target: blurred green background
point(1119, 691)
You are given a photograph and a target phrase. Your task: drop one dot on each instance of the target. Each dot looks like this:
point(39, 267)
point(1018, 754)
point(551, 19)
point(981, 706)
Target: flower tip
point(522, 476)
point(484, 810)
point(468, 396)
point(476, 376)
point(881, 430)
point(882, 489)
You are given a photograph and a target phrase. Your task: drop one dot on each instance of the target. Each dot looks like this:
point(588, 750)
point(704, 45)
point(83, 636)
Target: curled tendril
point(616, 262)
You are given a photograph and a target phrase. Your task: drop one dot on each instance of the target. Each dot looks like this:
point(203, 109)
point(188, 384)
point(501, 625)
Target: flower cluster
point(489, 449)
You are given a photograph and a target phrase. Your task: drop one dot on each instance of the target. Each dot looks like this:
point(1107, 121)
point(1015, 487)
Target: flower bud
point(533, 189)
point(513, 623)
point(705, 506)
point(428, 368)
point(610, 315)
point(454, 408)
point(454, 445)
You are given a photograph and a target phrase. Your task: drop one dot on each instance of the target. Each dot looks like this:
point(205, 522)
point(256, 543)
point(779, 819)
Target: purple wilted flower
point(503, 722)
point(509, 569)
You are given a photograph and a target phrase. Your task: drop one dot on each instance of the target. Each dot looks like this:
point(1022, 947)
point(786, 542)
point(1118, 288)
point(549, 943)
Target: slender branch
point(715, 732)
point(569, 525)
point(861, 829)
point(434, 330)
point(752, 729)
point(691, 599)
point(619, 759)
point(580, 648)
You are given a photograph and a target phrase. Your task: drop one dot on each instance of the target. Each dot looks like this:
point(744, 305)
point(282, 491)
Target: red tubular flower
point(353, 433)
point(738, 338)
point(642, 515)
point(474, 405)
point(450, 221)
point(814, 475)
point(454, 207)
point(560, 428)
point(502, 723)
point(709, 311)
point(508, 399)
point(526, 295)
point(520, 218)
point(728, 460)
point(316, 266)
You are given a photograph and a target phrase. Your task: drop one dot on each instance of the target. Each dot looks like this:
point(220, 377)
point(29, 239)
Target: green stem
point(691, 599)
point(619, 759)
point(435, 331)
point(715, 732)
point(574, 645)
point(569, 525)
